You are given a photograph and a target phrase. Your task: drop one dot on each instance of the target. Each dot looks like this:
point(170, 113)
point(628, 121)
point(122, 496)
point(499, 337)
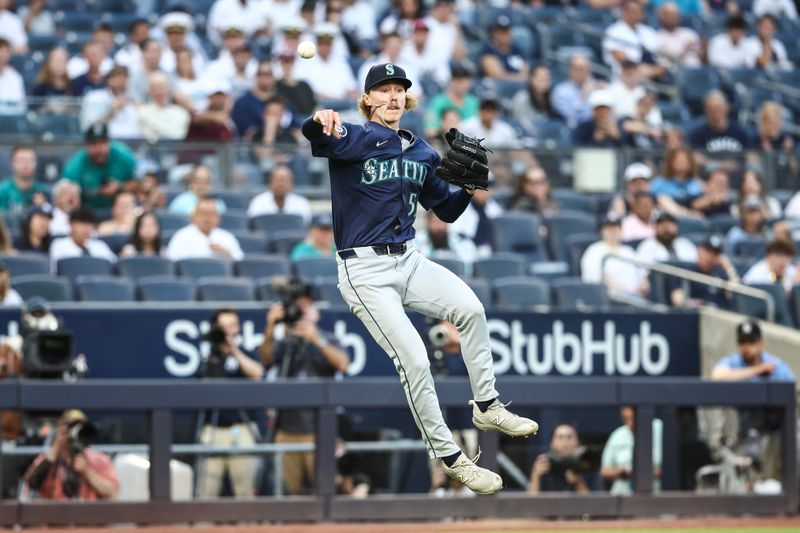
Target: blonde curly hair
point(366, 110)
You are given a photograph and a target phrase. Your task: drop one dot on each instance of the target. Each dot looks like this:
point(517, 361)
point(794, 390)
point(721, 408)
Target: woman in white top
point(8, 296)
point(146, 237)
point(189, 90)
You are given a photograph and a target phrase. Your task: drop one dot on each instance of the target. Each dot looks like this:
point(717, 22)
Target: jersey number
point(412, 204)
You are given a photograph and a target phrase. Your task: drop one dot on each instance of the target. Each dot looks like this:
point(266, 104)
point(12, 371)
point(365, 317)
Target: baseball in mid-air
point(306, 49)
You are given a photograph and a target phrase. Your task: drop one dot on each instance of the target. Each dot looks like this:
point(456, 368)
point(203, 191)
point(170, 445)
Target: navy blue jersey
point(375, 184)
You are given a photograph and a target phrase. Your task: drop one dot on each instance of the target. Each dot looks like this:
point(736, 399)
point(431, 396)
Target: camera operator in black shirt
point(566, 467)
point(304, 351)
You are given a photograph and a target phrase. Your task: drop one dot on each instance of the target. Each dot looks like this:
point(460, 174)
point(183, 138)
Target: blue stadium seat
point(574, 201)
point(695, 83)
point(72, 267)
point(563, 225)
point(499, 265)
point(521, 292)
point(145, 265)
point(111, 6)
point(282, 242)
point(660, 283)
point(51, 288)
point(76, 21)
point(226, 289)
point(599, 18)
point(171, 221)
point(576, 294)
point(456, 266)
point(692, 225)
point(115, 242)
point(13, 125)
point(674, 112)
point(721, 224)
point(166, 289)
point(233, 221)
point(251, 242)
point(758, 308)
point(42, 43)
point(266, 291)
point(327, 290)
point(549, 271)
point(315, 267)
point(234, 199)
point(262, 266)
point(553, 134)
point(277, 222)
point(519, 233)
point(200, 267)
point(56, 126)
point(755, 248)
point(576, 246)
point(105, 289)
point(120, 22)
point(26, 263)
point(482, 290)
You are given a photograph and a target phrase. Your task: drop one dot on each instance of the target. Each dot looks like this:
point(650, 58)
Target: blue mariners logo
point(390, 70)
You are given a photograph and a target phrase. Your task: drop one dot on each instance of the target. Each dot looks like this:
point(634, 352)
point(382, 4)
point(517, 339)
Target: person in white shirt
point(112, 106)
point(160, 118)
point(497, 133)
point(765, 51)
point(666, 245)
point(12, 29)
point(731, 49)
point(571, 97)
point(475, 225)
point(329, 78)
point(79, 243)
point(203, 237)
point(66, 196)
point(629, 39)
point(626, 90)
point(280, 198)
point(358, 19)
point(445, 39)
point(8, 296)
point(235, 63)
point(279, 13)
point(80, 64)
point(418, 54)
point(776, 8)
point(149, 64)
point(12, 87)
point(247, 15)
point(130, 55)
point(776, 267)
point(676, 45)
point(617, 275)
point(178, 27)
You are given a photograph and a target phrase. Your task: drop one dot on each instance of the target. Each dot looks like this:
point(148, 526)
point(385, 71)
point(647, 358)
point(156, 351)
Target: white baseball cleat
point(498, 418)
point(478, 480)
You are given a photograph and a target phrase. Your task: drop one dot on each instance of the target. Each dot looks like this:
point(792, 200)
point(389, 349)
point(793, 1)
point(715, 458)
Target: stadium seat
point(282, 242)
point(549, 270)
point(111, 6)
point(251, 242)
point(721, 224)
point(171, 221)
point(234, 199)
point(166, 289)
point(754, 248)
point(115, 242)
point(674, 112)
point(42, 43)
point(553, 134)
point(499, 265)
point(233, 221)
point(76, 21)
point(51, 288)
point(563, 225)
point(692, 225)
point(72, 267)
point(327, 290)
point(262, 266)
point(277, 222)
point(758, 308)
point(521, 292)
point(574, 200)
point(576, 294)
point(695, 83)
point(200, 267)
point(120, 22)
point(265, 289)
point(105, 289)
point(660, 283)
point(56, 126)
point(482, 290)
point(226, 289)
point(315, 267)
point(456, 266)
point(13, 125)
point(26, 263)
point(576, 246)
point(145, 265)
point(519, 233)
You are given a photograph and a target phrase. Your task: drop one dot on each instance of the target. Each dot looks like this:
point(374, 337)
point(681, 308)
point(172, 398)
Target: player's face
point(390, 101)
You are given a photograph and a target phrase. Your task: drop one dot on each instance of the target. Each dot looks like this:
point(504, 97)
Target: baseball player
point(379, 173)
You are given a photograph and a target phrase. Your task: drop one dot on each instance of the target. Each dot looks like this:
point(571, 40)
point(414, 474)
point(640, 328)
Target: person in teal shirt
point(456, 96)
point(20, 192)
point(102, 168)
point(319, 242)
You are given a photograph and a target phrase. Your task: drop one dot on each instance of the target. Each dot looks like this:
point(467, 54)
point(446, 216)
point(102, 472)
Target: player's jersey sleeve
point(435, 191)
point(350, 146)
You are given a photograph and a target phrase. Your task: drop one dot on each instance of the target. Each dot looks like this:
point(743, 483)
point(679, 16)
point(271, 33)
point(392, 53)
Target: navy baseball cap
point(96, 132)
point(748, 331)
point(713, 243)
point(384, 72)
point(322, 221)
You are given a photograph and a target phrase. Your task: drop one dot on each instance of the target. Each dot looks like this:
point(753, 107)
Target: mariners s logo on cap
point(384, 72)
point(390, 69)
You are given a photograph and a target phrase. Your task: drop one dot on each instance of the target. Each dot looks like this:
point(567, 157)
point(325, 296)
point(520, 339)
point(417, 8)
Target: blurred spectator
point(198, 183)
point(358, 21)
point(12, 28)
point(475, 223)
point(753, 185)
point(190, 90)
point(66, 196)
point(561, 468)
point(280, 12)
point(532, 193)
point(228, 427)
point(203, 237)
point(677, 46)
point(643, 129)
point(391, 46)
point(765, 52)
point(246, 15)
point(145, 238)
point(500, 58)
point(402, 17)
point(711, 261)
point(69, 470)
point(719, 133)
point(21, 190)
point(717, 197)
point(112, 106)
point(149, 65)
point(280, 198)
point(80, 242)
point(625, 90)
point(450, 119)
point(318, 242)
point(772, 138)
point(436, 241)
point(279, 129)
point(677, 186)
point(533, 105)
point(177, 25)
point(752, 223)
point(296, 92)
point(235, 63)
point(602, 129)
point(666, 244)
point(496, 132)
point(80, 64)
point(130, 55)
point(101, 168)
point(630, 40)
point(571, 97)
point(292, 31)
point(445, 39)
point(123, 215)
point(776, 8)
point(6, 242)
point(213, 124)
point(8, 296)
point(730, 49)
point(751, 362)
point(37, 19)
point(418, 54)
point(776, 267)
point(456, 96)
point(637, 180)
point(638, 224)
point(161, 118)
point(93, 75)
point(151, 195)
point(52, 79)
point(12, 98)
point(248, 111)
point(330, 78)
point(35, 235)
point(618, 275)
point(617, 461)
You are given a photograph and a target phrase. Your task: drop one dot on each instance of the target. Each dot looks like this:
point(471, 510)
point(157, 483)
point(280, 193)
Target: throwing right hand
point(330, 121)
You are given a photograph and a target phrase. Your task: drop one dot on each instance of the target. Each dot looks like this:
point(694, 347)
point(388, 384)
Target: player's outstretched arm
point(330, 122)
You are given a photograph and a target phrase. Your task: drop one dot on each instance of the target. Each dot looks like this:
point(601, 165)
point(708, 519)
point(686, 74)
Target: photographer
point(565, 467)
point(70, 469)
point(304, 351)
point(227, 427)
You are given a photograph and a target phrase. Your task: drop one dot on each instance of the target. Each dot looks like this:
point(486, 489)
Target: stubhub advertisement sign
point(166, 342)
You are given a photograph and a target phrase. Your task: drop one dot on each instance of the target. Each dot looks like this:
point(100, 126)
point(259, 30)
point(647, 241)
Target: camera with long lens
point(47, 347)
point(214, 365)
point(581, 460)
point(81, 435)
point(290, 292)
